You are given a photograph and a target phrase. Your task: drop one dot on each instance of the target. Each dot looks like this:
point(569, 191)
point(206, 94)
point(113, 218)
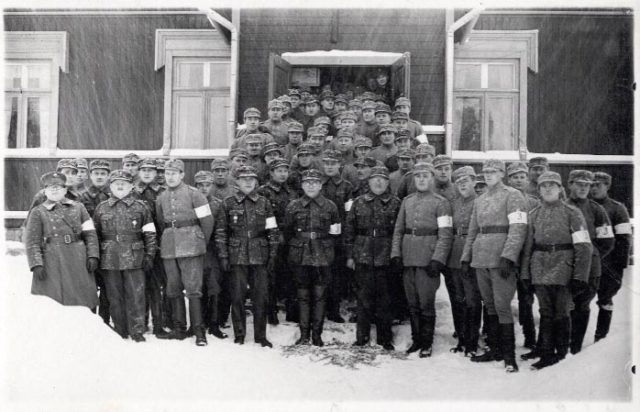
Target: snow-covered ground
point(67, 359)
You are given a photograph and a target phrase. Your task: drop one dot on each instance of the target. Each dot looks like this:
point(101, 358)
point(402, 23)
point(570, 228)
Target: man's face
point(99, 177)
point(295, 138)
point(254, 148)
point(304, 159)
point(295, 101)
point(131, 167)
point(536, 171)
point(480, 188)
point(312, 109)
point(120, 188)
point(147, 174)
point(580, 190)
point(424, 158)
point(312, 188)
point(239, 161)
point(405, 163)
point(316, 141)
point(549, 191)
point(400, 123)
point(220, 176)
point(403, 143)
point(378, 184)
point(519, 180)
point(280, 174)
point(348, 124)
point(323, 128)
point(83, 175)
point(363, 171)
point(286, 108)
point(383, 118)
point(173, 177)
point(252, 123)
point(337, 123)
point(465, 186)
point(331, 167)
point(55, 193)
point(403, 108)
point(387, 138)
point(340, 106)
point(357, 110)
point(275, 114)
point(362, 151)
point(247, 184)
point(423, 181)
point(599, 190)
point(492, 177)
point(271, 156)
point(71, 175)
point(160, 177)
point(327, 104)
point(204, 187)
point(443, 174)
point(369, 115)
point(381, 79)
point(344, 143)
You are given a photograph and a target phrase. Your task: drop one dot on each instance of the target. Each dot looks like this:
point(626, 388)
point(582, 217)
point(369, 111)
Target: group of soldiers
point(328, 199)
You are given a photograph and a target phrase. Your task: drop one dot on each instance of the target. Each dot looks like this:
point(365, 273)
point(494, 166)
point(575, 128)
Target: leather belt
point(461, 231)
point(249, 234)
point(553, 248)
point(62, 240)
point(311, 235)
point(493, 229)
point(421, 231)
point(181, 223)
point(374, 232)
point(122, 237)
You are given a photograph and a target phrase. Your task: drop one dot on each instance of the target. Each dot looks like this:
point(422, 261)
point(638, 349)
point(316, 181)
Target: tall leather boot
point(528, 326)
point(195, 315)
point(472, 332)
point(415, 333)
point(579, 322)
point(318, 315)
point(427, 326)
point(304, 316)
point(561, 336)
point(179, 320)
point(460, 325)
point(604, 322)
point(547, 344)
point(212, 310)
point(493, 351)
point(508, 345)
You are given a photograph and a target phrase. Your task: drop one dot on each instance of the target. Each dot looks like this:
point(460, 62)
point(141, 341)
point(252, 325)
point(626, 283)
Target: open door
point(401, 77)
point(279, 76)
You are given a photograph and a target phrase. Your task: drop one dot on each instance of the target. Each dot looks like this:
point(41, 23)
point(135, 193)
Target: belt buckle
point(552, 248)
point(375, 232)
point(414, 231)
point(248, 234)
point(118, 239)
point(173, 224)
point(67, 239)
point(313, 235)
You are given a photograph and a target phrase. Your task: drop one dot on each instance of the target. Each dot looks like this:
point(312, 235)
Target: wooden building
point(511, 84)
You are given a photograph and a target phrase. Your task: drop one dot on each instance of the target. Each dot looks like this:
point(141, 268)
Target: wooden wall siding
point(420, 32)
point(581, 100)
point(111, 98)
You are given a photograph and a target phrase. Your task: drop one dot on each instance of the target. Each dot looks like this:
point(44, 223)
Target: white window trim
point(41, 45)
point(172, 43)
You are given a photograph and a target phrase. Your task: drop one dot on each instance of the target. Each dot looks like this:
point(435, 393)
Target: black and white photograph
point(330, 206)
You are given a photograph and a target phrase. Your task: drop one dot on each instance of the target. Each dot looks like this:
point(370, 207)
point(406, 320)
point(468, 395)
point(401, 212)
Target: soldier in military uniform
point(602, 238)
point(496, 234)
point(255, 144)
point(127, 236)
point(402, 142)
point(537, 166)
point(556, 258)
point(361, 148)
point(279, 194)
point(82, 176)
point(311, 224)
point(363, 167)
point(160, 172)
point(422, 240)
point(406, 160)
point(295, 132)
point(403, 105)
point(252, 125)
point(368, 127)
point(387, 148)
point(425, 153)
point(270, 152)
point(481, 185)
point(344, 144)
point(253, 235)
point(327, 102)
point(368, 232)
point(237, 157)
point(62, 246)
point(130, 164)
point(312, 110)
point(69, 169)
point(297, 108)
point(274, 124)
point(304, 162)
point(185, 217)
point(355, 105)
point(222, 183)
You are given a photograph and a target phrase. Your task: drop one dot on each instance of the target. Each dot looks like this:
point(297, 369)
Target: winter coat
point(461, 210)
point(619, 216)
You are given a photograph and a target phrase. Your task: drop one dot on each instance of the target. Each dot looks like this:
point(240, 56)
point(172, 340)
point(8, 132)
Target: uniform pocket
point(137, 249)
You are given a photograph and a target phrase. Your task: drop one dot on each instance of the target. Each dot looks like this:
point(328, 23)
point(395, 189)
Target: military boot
point(493, 350)
point(604, 322)
point(179, 320)
point(472, 332)
point(579, 322)
point(546, 345)
point(561, 336)
point(528, 327)
point(508, 346)
point(415, 334)
point(212, 310)
point(427, 326)
point(195, 315)
point(304, 338)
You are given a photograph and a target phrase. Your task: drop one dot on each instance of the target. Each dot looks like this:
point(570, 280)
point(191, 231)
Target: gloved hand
point(92, 264)
point(465, 269)
point(224, 264)
point(39, 272)
point(434, 269)
point(577, 286)
point(396, 264)
point(510, 268)
point(351, 264)
point(271, 264)
point(147, 263)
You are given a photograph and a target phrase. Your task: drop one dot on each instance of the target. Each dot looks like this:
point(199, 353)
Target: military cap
point(538, 161)
point(326, 94)
point(253, 138)
point(148, 163)
point(311, 174)
point(203, 176)
point(365, 161)
point(337, 116)
point(341, 98)
point(387, 128)
point(306, 148)
point(348, 114)
point(296, 127)
point(294, 92)
point(271, 147)
point(81, 163)
point(332, 155)
point(238, 152)
point(99, 164)
point(344, 133)
point(407, 153)
point(441, 160)
point(381, 171)
point(399, 116)
point(175, 164)
point(402, 101)
point(480, 180)
point(322, 120)
point(582, 176)
point(425, 148)
point(550, 177)
point(602, 177)
point(312, 98)
point(369, 105)
point(131, 157)
point(246, 171)
point(278, 162)
point(275, 103)
point(120, 175)
point(53, 178)
point(252, 112)
point(423, 167)
point(383, 108)
point(284, 99)
point(355, 103)
point(362, 141)
point(403, 133)
point(70, 163)
point(517, 167)
point(160, 163)
point(314, 131)
point(463, 171)
point(369, 96)
point(219, 164)
point(493, 164)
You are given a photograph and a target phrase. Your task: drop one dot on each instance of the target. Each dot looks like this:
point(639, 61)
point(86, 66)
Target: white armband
point(445, 221)
point(203, 211)
point(335, 229)
point(149, 227)
point(348, 204)
point(622, 229)
point(88, 225)
point(517, 217)
point(422, 138)
point(581, 236)
point(271, 223)
point(604, 232)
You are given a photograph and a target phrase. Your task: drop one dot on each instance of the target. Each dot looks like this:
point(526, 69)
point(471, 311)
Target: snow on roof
point(342, 57)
